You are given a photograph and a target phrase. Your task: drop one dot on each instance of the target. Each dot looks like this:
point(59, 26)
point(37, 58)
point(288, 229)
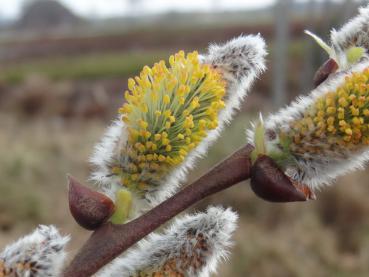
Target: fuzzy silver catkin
point(353, 33)
point(105, 154)
point(240, 62)
point(39, 254)
point(191, 247)
point(332, 160)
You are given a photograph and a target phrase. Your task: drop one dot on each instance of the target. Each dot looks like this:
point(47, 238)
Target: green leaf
point(259, 136)
point(283, 156)
point(321, 43)
point(354, 54)
point(123, 204)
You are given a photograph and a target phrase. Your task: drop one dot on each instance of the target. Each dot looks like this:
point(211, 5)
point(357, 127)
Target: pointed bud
point(329, 67)
point(271, 184)
point(89, 208)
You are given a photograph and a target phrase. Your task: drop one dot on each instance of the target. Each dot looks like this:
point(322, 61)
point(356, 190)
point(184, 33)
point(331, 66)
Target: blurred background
point(63, 69)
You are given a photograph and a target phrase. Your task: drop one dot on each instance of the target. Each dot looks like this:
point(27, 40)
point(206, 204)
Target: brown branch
point(110, 240)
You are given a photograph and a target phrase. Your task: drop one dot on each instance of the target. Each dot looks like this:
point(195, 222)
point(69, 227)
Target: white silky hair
point(43, 250)
point(240, 61)
point(105, 154)
point(180, 241)
point(315, 170)
point(353, 33)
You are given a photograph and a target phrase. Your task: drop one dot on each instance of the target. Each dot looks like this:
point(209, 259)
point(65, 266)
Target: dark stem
point(110, 240)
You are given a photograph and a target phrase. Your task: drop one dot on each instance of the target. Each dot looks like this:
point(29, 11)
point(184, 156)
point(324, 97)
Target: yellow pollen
point(348, 131)
point(169, 110)
point(166, 99)
point(337, 120)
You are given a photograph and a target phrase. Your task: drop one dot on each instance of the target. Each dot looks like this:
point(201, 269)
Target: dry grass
point(34, 160)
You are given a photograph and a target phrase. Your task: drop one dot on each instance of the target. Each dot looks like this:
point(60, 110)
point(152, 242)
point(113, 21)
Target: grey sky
point(105, 8)
point(102, 8)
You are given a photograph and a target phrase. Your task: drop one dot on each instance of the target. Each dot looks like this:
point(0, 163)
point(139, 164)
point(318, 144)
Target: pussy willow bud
point(323, 135)
point(192, 247)
point(322, 74)
point(355, 33)
point(171, 116)
point(350, 44)
point(39, 254)
point(271, 184)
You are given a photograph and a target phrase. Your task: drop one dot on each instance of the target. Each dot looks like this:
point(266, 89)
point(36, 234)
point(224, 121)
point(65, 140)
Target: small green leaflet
point(354, 54)
point(321, 43)
point(259, 136)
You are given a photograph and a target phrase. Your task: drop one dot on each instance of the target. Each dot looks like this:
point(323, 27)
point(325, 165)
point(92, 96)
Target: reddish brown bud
point(271, 184)
point(88, 207)
point(329, 67)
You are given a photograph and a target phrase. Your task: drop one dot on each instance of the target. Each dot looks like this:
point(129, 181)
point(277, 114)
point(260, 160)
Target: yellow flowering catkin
point(322, 135)
point(337, 122)
point(168, 111)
